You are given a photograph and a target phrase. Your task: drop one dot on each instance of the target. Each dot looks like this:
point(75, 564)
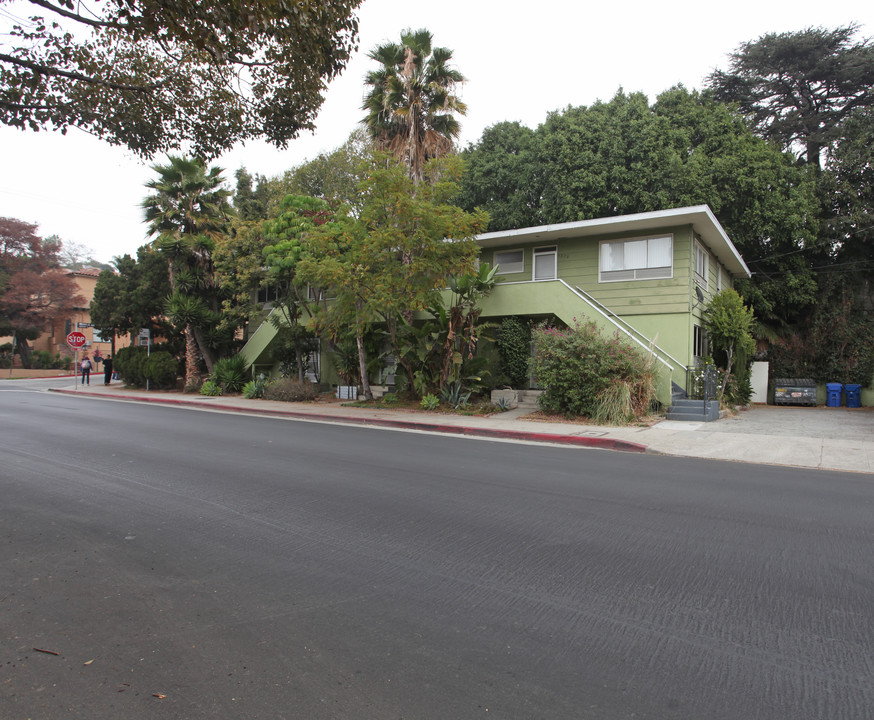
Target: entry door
point(545, 263)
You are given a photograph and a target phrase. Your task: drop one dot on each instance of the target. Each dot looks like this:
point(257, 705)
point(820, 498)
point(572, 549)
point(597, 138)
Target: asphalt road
point(190, 564)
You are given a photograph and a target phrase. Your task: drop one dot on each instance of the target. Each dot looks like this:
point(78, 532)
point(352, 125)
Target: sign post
point(145, 338)
point(76, 340)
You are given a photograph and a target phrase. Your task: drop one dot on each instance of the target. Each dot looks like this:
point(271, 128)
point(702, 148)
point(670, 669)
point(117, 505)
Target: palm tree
point(411, 103)
point(185, 212)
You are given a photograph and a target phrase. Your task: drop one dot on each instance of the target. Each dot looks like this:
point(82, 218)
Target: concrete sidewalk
point(824, 438)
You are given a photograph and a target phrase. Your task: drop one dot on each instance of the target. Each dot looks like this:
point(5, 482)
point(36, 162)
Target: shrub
point(456, 395)
point(42, 360)
point(161, 369)
point(211, 388)
point(514, 344)
point(254, 389)
point(576, 366)
point(129, 363)
point(231, 373)
point(290, 390)
point(135, 365)
point(614, 404)
point(503, 404)
point(430, 402)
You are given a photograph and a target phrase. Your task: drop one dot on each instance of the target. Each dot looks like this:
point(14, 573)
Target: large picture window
point(637, 259)
point(510, 261)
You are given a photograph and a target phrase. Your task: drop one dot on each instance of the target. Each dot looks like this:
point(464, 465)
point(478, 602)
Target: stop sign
point(76, 339)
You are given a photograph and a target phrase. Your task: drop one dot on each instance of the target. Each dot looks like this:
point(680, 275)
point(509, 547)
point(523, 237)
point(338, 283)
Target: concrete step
point(694, 410)
point(529, 399)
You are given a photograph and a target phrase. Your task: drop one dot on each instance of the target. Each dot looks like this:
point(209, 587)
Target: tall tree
point(848, 187)
point(334, 176)
point(393, 257)
point(411, 103)
point(186, 212)
point(34, 291)
point(132, 295)
point(626, 156)
point(503, 176)
point(799, 87)
point(152, 75)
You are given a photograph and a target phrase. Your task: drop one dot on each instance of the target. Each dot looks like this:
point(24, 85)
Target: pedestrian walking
point(107, 369)
point(86, 371)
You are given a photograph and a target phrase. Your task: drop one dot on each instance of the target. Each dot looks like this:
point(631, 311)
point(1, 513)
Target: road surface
point(163, 562)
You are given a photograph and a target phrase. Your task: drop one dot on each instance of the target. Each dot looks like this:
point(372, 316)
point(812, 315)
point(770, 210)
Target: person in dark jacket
point(107, 369)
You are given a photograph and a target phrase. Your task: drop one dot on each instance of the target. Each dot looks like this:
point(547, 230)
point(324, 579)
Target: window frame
point(702, 278)
point(699, 341)
point(608, 276)
point(544, 251)
point(502, 267)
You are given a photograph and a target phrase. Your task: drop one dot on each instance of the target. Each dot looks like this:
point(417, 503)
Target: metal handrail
point(701, 383)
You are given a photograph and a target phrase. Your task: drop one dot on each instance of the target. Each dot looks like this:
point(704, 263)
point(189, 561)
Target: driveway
point(816, 422)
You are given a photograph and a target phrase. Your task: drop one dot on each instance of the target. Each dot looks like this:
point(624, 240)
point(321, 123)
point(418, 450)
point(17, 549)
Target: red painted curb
point(603, 443)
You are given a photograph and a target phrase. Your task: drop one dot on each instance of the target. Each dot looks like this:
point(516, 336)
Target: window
point(719, 278)
point(510, 261)
point(699, 341)
point(270, 293)
point(545, 263)
point(637, 259)
point(702, 266)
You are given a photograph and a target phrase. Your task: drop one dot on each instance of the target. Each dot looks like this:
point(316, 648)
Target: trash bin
point(833, 391)
point(854, 395)
point(794, 391)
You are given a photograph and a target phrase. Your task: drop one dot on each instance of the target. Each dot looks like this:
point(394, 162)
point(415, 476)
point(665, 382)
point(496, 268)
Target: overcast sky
point(521, 60)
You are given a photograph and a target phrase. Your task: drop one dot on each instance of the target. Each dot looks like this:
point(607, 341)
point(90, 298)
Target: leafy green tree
point(292, 307)
point(153, 75)
point(729, 326)
point(503, 177)
point(848, 186)
point(411, 102)
point(799, 87)
point(335, 176)
point(393, 257)
point(250, 204)
point(609, 159)
point(186, 212)
point(626, 156)
point(132, 296)
point(837, 342)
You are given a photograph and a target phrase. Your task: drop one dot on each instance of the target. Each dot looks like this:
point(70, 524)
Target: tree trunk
point(362, 366)
point(729, 359)
point(203, 349)
point(192, 371)
point(24, 352)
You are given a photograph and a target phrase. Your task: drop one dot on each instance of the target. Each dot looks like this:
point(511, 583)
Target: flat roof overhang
point(700, 217)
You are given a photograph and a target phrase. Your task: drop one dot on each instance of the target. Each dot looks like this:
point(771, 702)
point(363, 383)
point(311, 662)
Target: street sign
point(76, 340)
point(145, 333)
point(84, 325)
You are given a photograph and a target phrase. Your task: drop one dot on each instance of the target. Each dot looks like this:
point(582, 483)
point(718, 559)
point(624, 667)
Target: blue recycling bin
point(833, 392)
point(854, 395)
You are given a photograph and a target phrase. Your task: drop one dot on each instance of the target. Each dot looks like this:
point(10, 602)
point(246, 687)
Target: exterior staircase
point(688, 410)
point(528, 400)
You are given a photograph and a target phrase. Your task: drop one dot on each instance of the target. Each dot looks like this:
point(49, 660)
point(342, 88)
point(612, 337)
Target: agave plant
point(231, 373)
